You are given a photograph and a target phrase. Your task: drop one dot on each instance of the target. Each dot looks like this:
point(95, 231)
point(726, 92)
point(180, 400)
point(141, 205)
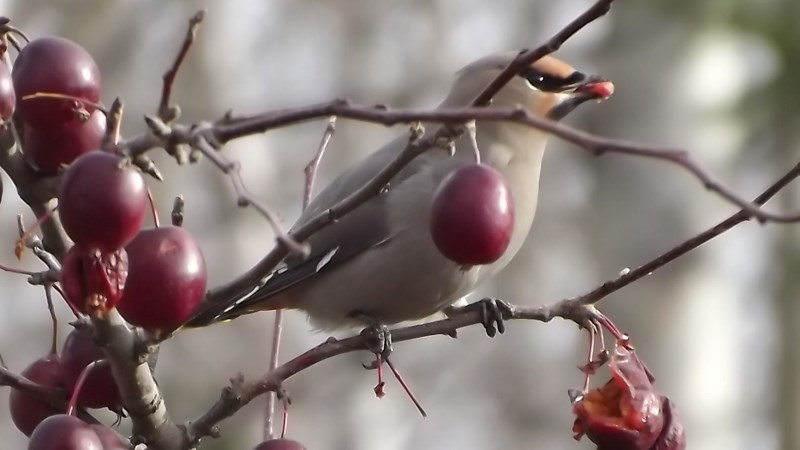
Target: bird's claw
point(378, 339)
point(494, 313)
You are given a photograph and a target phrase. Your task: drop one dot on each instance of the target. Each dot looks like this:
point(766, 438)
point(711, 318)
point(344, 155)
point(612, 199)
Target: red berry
point(472, 216)
point(102, 201)
point(110, 439)
point(49, 148)
point(28, 412)
point(93, 281)
point(63, 432)
point(8, 99)
point(279, 444)
point(166, 279)
point(54, 65)
point(99, 390)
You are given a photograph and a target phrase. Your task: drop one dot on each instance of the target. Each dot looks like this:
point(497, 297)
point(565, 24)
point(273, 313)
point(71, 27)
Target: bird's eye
point(550, 83)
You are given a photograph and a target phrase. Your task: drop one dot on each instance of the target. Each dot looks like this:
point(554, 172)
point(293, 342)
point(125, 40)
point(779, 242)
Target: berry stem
point(73, 400)
point(48, 293)
point(153, 210)
point(405, 387)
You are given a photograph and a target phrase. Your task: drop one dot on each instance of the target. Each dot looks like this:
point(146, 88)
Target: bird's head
point(547, 88)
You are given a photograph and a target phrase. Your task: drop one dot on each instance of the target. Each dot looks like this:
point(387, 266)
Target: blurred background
point(718, 327)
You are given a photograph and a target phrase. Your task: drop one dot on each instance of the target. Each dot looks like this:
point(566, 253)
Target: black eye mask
point(551, 83)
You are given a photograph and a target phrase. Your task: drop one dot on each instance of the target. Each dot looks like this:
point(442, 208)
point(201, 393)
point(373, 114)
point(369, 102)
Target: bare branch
point(138, 390)
point(166, 111)
point(233, 169)
point(630, 276)
point(113, 124)
point(595, 144)
point(311, 168)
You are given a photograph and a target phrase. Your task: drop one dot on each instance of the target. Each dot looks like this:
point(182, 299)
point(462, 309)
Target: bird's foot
point(494, 313)
point(378, 340)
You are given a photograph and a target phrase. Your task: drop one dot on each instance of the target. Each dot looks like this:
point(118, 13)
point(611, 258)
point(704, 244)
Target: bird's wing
point(363, 228)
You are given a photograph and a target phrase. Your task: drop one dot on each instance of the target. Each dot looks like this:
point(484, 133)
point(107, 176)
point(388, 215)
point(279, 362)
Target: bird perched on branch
point(379, 264)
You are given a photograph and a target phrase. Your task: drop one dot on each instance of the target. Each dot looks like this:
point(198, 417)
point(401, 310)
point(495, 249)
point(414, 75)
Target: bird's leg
point(494, 312)
point(377, 338)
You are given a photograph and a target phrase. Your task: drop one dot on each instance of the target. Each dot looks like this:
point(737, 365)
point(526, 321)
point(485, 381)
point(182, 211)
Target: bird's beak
point(596, 88)
point(592, 88)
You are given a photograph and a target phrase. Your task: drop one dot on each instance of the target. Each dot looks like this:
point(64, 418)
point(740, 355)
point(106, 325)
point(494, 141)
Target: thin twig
point(166, 111)
point(48, 293)
point(233, 169)
point(311, 168)
point(178, 207)
point(630, 276)
point(310, 173)
point(113, 125)
point(274, 355)
point(597, 145)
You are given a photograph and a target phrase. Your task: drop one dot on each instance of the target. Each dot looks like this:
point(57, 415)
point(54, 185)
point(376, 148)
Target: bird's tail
point(209, 313)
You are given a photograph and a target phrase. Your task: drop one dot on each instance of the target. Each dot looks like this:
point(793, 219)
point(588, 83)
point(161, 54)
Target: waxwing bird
point(379, 261)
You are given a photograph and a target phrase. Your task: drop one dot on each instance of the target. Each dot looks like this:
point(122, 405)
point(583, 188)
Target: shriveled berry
point(93, 281)
point(99, 390)
point(102, 201)
point(50, 148)
point(673, 435)
point(54, 65)
point(472, 215)
point(624, 414)
point(27, 412)
point(166, 278)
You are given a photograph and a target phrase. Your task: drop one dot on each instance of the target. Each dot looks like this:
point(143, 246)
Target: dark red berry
point(166, 278)
point(28, 412)
point(63, 432)
point(279, 444)
point(110, 439)
point(472, 216)
point(55, 65)
point(8, 99)
point(93, 281)
point(102, 201)
point(50, 148)
point(99, 390)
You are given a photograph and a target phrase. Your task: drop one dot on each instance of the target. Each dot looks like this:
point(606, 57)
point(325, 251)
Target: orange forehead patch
point(552, 66)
